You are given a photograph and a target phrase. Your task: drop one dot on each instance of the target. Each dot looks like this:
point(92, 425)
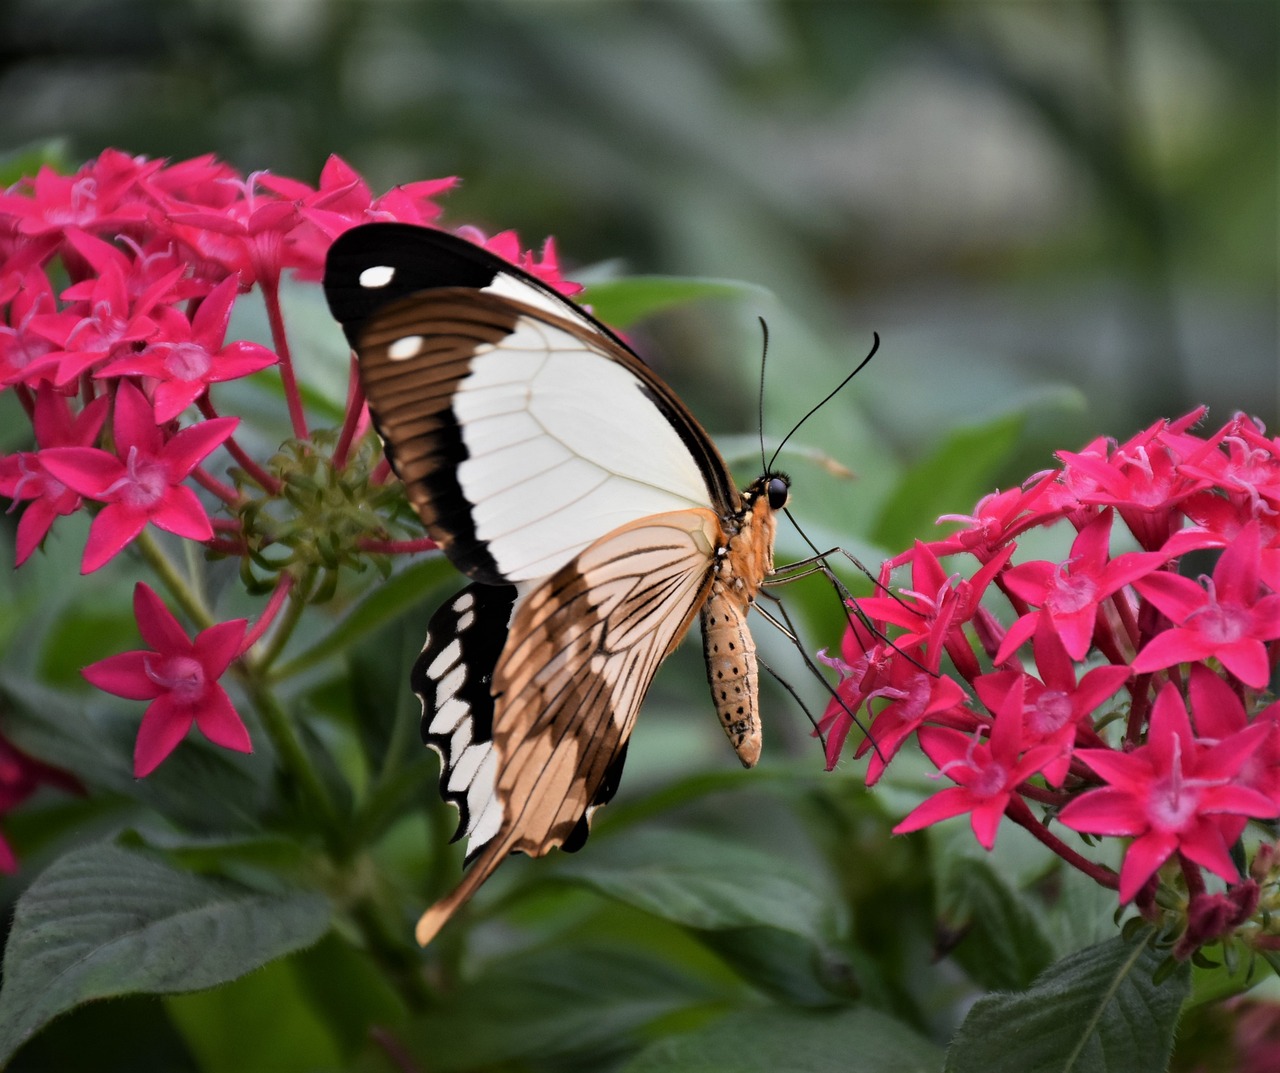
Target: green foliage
point(1097, 1010)
point(102, 922)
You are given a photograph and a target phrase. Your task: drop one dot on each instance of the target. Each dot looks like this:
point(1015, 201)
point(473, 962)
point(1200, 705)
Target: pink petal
point(86, 470)
point(180, 512)
point(1171, 647)
point(33, 527)
point(157, 624)
point(1076, 630)
point(192, 445)
point(134, 422)
point(1096, 686)
point(1205, 845)
point(1018, 633)
point(1141, 860)
point(219, 722)
point(164, 725)
point(985, 819)
point(209, 325)
point(217, 646)
point(174, 396)
point(124, 675)
point(1175, 595)
point(944, 746)
point(953, 801)
point(113, 528)
point(1247, 660)
point(1105, 812)
point(240, 359)
point(1169, 723)
point(1215, 708)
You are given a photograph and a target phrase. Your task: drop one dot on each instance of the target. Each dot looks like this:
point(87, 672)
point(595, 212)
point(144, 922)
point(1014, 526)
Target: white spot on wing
point(466, 765)
point(407, 346)
point(376, 276)
point(449, 655)
point(448, 715)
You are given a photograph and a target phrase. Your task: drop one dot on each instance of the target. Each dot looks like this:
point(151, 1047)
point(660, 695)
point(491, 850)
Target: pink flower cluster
point(1121, 696)
point(117, 286)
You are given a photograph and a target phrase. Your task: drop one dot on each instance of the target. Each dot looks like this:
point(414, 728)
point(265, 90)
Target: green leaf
point(1097, 1011)
point(269, 1007)
point(586, 999)
point(103, 921)
point(622, 302)
point(950, 480)
point(709, 883)
point(1004, 945)
point(785, 965)
point(767, 1040)
point(384, 602)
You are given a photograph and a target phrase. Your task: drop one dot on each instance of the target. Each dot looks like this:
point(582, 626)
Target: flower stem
point(178, 586)
point(1022, 815)
point(280, 340)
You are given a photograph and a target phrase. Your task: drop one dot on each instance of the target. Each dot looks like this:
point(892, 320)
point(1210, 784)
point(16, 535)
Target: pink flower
point(24, 476)
point(988, 772)
point(141, 483)
point(342, 200)
point(112, 321)
point(1228, 617)
point(936, 606)
point(97, 197)
point(180, 678)
point(1069, 593)
point(27, 356)
point(1167, 794)
point(1057, 709)
point(185, 357)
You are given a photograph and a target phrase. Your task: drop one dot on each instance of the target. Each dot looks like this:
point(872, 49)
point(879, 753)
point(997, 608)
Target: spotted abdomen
point(731, 669)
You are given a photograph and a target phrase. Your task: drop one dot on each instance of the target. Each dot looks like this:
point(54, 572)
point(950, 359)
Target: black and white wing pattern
point(589, 507)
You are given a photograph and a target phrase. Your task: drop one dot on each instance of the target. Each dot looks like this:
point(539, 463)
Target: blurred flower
point(180, 678)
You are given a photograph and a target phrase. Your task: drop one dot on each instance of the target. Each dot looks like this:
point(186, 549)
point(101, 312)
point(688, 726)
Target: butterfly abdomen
point(731, 670)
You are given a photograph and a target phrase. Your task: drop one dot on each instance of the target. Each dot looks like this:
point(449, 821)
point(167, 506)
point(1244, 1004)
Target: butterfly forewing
point(520, 437)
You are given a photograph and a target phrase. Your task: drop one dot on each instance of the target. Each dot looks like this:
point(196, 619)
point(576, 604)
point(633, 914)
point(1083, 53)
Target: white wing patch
point(563, 448)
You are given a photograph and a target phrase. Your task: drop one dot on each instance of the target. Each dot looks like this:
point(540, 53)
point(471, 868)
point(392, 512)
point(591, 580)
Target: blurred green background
point(1013, 195)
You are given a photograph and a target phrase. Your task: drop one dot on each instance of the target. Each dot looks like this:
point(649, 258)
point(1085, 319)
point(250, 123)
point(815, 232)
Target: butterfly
point(591, 511)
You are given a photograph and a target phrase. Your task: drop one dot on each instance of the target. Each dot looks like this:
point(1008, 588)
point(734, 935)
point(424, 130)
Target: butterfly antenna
point(764, 355)
point(875, 345)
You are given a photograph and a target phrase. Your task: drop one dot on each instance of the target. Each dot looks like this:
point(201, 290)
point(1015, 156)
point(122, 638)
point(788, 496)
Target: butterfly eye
point(779, 491)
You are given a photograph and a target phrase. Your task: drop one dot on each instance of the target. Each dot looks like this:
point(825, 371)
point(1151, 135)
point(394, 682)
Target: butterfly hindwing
point(581, 652)
point(453, 678)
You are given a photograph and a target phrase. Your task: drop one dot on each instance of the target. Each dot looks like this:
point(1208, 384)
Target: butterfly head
point(771, 488)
